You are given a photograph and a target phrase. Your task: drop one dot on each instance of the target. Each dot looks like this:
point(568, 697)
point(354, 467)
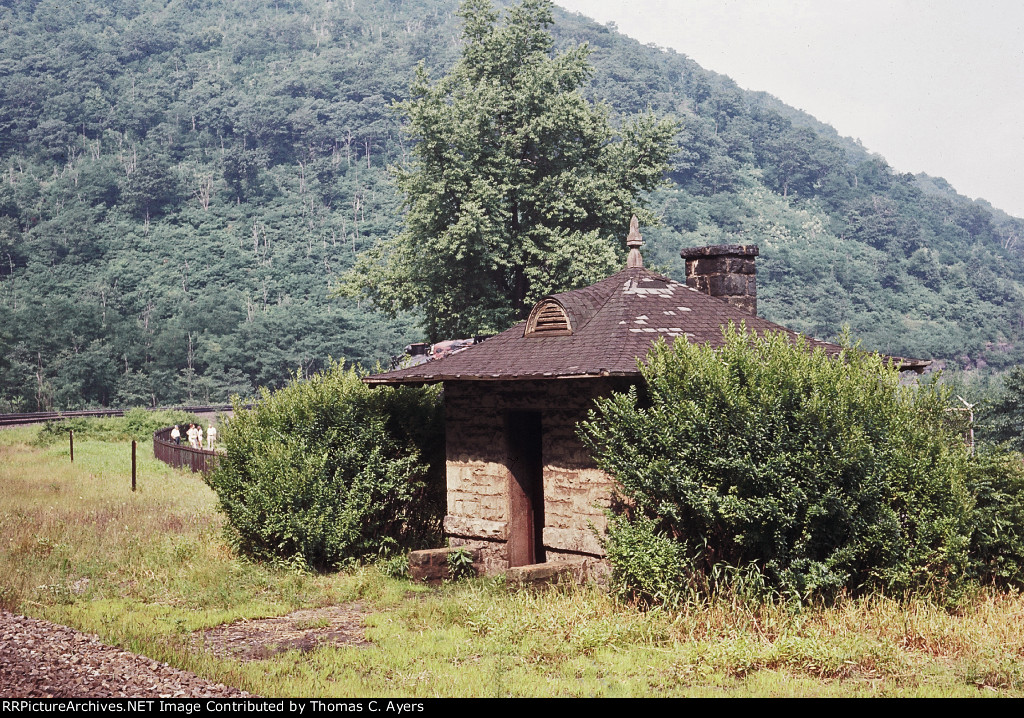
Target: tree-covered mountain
point(182, 182)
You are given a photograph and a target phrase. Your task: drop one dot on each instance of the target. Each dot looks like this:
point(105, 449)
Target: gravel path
point(39, 659)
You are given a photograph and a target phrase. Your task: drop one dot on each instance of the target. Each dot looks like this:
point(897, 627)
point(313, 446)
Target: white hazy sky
point(933, 86)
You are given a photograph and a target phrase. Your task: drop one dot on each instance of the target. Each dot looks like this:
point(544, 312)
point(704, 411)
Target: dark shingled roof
point(613, 322)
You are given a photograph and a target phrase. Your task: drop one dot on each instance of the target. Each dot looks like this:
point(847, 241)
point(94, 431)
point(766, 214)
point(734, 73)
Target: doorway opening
point(526, 488)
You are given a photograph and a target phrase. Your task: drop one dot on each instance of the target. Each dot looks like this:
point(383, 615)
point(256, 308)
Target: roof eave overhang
point(915, 365)
point(379, 380)
point(375, 381)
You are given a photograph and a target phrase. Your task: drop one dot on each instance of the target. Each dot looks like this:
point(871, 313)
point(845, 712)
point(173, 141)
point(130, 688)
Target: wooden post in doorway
point(526, 488)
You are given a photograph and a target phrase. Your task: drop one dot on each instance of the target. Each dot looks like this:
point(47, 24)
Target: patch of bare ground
point(39, 659)
point(305, 630)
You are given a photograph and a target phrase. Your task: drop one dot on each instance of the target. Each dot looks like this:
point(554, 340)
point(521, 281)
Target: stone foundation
point(492, 557)
point(571, 570)
point(431, 565)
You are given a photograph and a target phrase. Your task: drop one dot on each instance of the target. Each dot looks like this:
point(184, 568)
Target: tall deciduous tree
point(1004, 421)
point(518, 187)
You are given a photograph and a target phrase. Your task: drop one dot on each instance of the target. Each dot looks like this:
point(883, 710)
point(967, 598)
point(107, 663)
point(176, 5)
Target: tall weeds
point(147, 570)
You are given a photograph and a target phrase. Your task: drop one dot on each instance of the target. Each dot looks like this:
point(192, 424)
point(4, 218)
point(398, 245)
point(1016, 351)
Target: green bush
point(649, 567)
point(995, 478)
point(826, 475)
point(328, 470)
point(460, 564)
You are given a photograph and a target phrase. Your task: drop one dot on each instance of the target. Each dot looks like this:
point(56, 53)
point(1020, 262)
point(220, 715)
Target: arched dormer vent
point(548, 319)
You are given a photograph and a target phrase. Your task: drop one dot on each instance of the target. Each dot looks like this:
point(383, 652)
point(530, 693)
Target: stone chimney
point(725, 271)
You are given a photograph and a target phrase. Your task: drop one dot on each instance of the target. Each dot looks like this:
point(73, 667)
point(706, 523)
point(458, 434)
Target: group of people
point(195, 436)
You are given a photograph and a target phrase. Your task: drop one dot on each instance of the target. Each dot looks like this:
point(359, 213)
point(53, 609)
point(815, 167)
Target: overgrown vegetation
point(460, 564)
point(327, 470)
point(767, 465)
point(138, 424)
point(995, 479)
point(1002, 414)
point(146, 570)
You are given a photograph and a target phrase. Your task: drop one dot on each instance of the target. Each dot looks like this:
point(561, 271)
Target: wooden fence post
point(71, 444)
point(133, 464)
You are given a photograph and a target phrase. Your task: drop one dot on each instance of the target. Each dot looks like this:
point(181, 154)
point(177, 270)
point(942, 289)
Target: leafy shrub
point(995, 478)
point(330, 471)
point(460, 564)
point(827, 475)
point(394, 566)
point(649, 567)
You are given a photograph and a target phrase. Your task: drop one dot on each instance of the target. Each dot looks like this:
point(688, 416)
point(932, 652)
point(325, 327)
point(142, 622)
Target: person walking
point(176, 435)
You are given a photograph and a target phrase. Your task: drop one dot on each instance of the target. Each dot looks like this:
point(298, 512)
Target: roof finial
point(633, 241)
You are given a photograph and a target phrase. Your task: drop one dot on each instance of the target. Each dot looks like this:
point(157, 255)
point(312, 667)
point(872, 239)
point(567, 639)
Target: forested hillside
point(184, 181)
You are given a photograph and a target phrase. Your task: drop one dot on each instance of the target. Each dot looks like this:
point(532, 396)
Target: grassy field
point(146, 570)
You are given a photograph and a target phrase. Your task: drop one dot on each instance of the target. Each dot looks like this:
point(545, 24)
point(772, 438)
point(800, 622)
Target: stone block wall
point(431, 565)
point(576, 492)
point(726, 271)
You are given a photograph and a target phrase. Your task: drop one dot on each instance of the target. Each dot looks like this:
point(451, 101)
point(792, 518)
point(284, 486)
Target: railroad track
point(39, 417)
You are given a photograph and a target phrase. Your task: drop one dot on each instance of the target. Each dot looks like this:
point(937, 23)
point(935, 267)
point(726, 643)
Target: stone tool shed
point(522, 489)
